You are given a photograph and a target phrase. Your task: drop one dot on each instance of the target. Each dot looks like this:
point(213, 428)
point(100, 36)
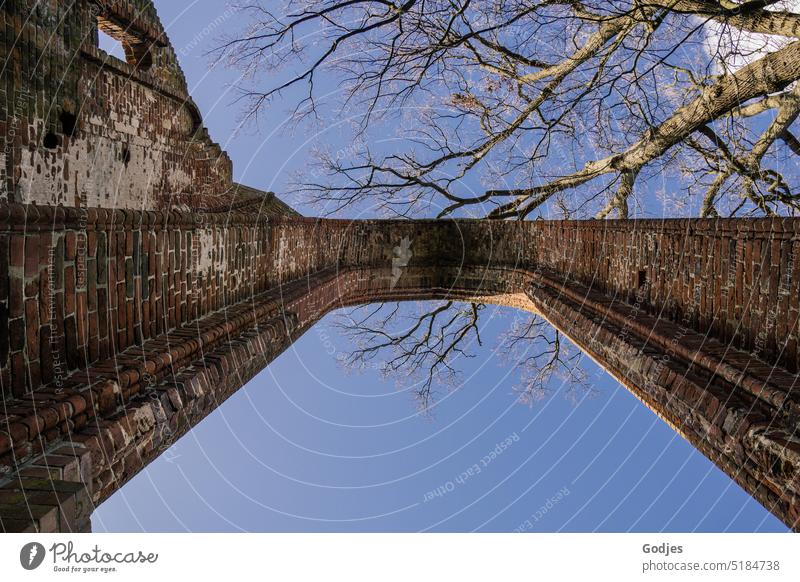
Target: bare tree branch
point(523, 109)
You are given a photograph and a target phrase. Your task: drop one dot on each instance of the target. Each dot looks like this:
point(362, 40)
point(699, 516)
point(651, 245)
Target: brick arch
point(178, 310)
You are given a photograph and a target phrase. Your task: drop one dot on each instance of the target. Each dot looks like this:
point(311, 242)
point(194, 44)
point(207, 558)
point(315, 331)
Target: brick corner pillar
point(50, 494)
point(699, 320)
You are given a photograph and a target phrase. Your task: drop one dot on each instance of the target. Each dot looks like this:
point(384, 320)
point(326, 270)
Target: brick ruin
point(140, 286)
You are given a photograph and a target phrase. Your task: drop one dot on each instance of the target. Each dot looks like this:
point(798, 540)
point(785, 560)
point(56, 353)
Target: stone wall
point(85, 129)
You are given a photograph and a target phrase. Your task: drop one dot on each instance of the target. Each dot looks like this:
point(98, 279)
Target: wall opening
point(51, 141)
point(68, 123)
point(120, 42)
point(110, 45)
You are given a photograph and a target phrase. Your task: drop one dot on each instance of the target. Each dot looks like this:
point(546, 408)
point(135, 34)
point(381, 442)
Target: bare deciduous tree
point(422, 347)
point(552, 108)
point(542, 353)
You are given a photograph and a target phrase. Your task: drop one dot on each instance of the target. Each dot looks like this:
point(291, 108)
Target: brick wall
point(82, 128)
point(736, 280)
point(82, 285)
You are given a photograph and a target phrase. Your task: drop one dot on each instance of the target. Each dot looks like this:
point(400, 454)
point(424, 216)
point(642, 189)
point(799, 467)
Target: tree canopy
point(512, 109)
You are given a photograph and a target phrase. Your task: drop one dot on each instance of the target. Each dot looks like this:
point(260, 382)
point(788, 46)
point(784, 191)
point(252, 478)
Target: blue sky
point(308, 446)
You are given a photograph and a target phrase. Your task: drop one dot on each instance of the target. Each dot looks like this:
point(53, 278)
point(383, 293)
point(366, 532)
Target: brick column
point(740, 413)
point(52, 493)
